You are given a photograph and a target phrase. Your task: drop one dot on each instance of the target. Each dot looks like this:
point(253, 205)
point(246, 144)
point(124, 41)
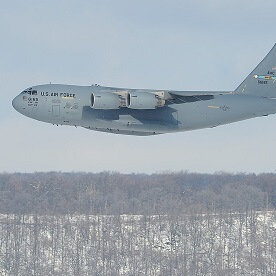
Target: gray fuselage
point(71, 105)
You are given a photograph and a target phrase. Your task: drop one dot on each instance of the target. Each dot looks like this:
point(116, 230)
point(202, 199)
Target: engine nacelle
point(144, 100)
point(105, 100)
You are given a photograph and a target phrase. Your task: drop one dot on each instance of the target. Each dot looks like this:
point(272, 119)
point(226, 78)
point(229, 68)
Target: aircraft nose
point(16, 103)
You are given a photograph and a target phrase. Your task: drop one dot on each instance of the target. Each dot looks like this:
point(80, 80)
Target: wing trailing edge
point(198, 93)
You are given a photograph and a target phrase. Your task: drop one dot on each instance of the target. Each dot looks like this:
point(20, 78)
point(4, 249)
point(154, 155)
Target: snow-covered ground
point(209, 244)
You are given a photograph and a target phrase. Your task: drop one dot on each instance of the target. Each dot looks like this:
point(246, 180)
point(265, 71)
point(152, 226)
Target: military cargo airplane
point(150, 112)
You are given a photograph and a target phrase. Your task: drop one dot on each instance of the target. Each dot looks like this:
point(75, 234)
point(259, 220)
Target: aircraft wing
point(198, 93)
point(179, 97)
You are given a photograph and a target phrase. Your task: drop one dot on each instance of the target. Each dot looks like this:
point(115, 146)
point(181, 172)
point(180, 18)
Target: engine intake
point(105, 100)
point(144, 100)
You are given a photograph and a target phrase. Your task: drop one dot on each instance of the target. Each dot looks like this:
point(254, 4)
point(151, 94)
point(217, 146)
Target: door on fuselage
point(55, 111)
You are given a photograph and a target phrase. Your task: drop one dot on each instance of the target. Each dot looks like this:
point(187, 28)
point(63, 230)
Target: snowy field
point(209, 244)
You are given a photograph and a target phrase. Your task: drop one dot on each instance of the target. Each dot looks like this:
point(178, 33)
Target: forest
point(136, 224)
point(113, 193)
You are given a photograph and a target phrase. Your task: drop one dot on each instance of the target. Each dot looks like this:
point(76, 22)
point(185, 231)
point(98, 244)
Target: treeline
point(175, 224)
point(115, 193)
point(225, 244)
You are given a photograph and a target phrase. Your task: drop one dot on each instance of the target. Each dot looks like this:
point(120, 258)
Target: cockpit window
point(29, 91)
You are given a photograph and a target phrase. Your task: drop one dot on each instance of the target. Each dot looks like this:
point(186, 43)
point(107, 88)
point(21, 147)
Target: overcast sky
point(173, 44)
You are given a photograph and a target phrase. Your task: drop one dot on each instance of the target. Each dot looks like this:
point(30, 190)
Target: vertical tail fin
point(262, 81)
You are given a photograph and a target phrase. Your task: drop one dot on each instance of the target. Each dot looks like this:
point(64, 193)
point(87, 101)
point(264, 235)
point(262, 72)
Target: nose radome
point(16, 103)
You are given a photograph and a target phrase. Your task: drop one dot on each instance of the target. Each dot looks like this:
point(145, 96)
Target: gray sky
point(184, 45)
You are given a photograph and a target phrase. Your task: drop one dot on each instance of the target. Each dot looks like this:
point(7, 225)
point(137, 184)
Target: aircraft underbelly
point(155, 121)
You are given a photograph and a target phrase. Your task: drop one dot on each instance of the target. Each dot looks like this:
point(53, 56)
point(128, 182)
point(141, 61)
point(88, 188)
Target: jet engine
point(105, 100)
point(144, 100)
